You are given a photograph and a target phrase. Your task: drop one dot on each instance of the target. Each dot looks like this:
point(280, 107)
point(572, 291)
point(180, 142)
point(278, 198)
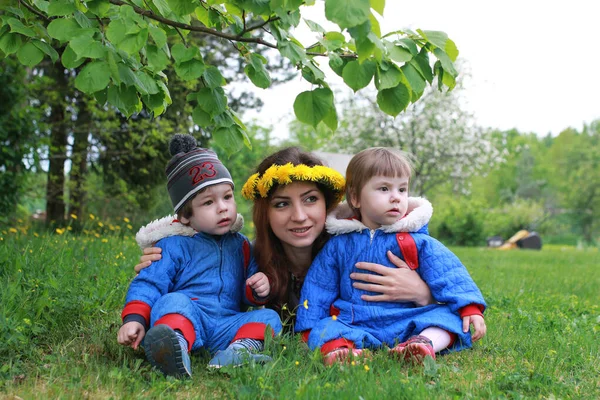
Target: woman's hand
point(150, 254)
point(401, 284)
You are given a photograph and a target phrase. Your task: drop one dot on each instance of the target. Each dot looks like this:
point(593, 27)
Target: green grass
point(61, 298)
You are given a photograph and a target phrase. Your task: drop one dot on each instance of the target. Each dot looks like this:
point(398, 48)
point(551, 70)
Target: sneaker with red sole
point(345, 355)
point(414, 349)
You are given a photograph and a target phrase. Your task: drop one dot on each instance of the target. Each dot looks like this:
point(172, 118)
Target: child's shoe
point(344, 355)
point(231, 357)
point(166, 352)
point(415, 349)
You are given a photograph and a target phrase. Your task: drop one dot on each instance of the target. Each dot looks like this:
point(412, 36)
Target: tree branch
point(33, 10)
point(203, 29)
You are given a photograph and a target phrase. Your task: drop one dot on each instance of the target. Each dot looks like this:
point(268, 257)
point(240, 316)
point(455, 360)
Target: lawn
point(62, 296)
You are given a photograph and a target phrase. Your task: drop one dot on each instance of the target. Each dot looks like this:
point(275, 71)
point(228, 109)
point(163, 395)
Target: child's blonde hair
point(375, 161)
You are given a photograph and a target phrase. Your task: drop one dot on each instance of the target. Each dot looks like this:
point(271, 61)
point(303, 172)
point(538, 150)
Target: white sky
point(534, 65)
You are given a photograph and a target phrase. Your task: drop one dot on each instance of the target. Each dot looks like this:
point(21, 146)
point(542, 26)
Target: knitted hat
point(191, 169)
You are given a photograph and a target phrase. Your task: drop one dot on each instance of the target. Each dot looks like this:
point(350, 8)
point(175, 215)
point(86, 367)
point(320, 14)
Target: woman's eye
point(280, 204)
point(311, 199)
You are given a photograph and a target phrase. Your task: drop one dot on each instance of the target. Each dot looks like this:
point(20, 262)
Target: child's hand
point(132, 334)
point(478, 323)
point(260, 284)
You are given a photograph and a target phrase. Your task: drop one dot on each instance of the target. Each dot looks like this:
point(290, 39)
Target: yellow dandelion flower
point(129, 226)
point(19, 220)
point(31, 251)
point(35, 234)
point(305, 304)
point(97, 235)
point(334, 317)
point(92, 217)
point(104, 240)
point(283, 174)
point(125, 219)
point(249, 187)
point(60, 231)
point(302, 172)
point(73, 216)
point(117, 227)
point(1, 239)
point(27, 321)
point(4, 232)
point(12, 230)
point(297, 363)
point(100, 224)
point(367, 368)
point(69, 228)
point(353, 363)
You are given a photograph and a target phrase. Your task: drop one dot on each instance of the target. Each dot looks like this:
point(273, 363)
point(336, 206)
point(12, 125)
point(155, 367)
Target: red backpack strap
point(246, 252)
point(409, 249)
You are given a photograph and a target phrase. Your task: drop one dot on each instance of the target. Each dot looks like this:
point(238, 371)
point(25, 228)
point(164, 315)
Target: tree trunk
point(57, 152)
point(79, 158)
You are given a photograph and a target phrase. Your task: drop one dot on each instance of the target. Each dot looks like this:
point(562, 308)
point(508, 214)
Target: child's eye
point(383, 189)
point(228, 196)
point(207, 203)
point(402, 190)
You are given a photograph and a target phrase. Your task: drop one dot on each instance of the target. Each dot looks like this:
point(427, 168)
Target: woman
point(290, 207)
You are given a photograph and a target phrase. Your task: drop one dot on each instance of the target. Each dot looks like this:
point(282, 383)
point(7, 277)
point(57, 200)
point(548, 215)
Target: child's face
point(382, 201)
point(214, 210)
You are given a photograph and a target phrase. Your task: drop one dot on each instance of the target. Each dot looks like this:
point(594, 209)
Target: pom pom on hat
point(182, 144)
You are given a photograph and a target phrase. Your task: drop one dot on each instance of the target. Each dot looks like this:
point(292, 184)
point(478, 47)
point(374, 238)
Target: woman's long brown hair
point(268, 250)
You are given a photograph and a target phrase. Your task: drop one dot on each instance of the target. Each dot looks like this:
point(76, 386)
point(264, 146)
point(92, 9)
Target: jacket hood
point(161, 228)
point(417, 217)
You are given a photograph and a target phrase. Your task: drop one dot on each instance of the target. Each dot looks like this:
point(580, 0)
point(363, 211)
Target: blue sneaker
point(165, 352)
point(236, 357)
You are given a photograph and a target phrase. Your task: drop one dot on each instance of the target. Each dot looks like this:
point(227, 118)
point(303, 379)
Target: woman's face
point(297, 214)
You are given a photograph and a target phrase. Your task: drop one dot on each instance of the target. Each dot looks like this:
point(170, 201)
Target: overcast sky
point(534, 65)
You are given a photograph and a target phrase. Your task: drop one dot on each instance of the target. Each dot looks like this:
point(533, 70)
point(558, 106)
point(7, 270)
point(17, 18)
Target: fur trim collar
point(161, 228)
point(418, 215)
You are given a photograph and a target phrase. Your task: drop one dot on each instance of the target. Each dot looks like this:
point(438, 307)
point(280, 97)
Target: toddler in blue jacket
point(380, 217)
point(194, 296)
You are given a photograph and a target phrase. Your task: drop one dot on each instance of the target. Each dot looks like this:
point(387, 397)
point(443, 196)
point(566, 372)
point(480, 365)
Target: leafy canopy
point(121, 49)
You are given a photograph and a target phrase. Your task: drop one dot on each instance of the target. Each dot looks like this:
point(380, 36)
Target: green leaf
point(415, 80)
point(357, 75)
point(331, 119)
point(202, 15)
point(378, 5)
point(311, 107)
point(158, 35)
point(29, 54)
point(86, 46)
point(82, 20)
point(157, 59)
point(347, 13)
point(334, 40)
point(98, 7)
point(213, 78)
point(125, 98)
point(93, 77)
point(182, 7)
point(10, 43)
point(17, 26)
point(223, 119)
point(119, 33)
point(421, 64)
point(212, 101)
point(60, 8)
point(409, 45)
point(437, 38)
point(394, 100)
point(155, 102)
point(42, 5)
point(337, 63)
point(65, 29)
point(126, 75)
point(388, 78)
point(111, 59)
point(69, 58)
point(101, 96)
point(181, 53)
point(313, 26)
point(257, 7)
point(145, 84)
point(257, 72)
point(201, 117)
point(364, 48)
point(162, 7)
point(46, 48)
point(15, 11)
point(446, 62)
point(292, 51)
point(189, 70)
point(451, 50)
point(398, 53)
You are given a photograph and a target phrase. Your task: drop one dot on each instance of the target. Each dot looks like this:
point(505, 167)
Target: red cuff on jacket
point(178, 321)
point(336, 344)
point(252, 330)
point(304, 335)
point(137, 307)
point(253, 299)
point(471, 309)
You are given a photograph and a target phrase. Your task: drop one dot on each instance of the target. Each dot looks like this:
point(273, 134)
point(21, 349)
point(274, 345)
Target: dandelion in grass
point(100, 224)
point(35, 234)
point(367, 368)
point(60, 231)
point(73, 216)
point(129, 226)
point(12, 230)
point(92, 217)
point(297, 363)
point(125, 219)
point(97, 235)
point(105, 240)
point(353, 363)
point(69, 228)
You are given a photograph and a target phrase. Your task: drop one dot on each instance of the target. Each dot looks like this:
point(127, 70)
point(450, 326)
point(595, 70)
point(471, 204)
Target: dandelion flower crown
point(258, 185)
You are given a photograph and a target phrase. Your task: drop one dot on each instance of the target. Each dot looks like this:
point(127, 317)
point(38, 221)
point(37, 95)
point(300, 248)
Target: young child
point(193, 296)
point(333, 315)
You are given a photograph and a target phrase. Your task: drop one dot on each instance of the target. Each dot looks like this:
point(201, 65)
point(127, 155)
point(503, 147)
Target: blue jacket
point(328, 284)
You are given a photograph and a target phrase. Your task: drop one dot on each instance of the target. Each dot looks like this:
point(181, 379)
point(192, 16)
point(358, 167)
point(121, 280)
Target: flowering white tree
point(447, 144)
